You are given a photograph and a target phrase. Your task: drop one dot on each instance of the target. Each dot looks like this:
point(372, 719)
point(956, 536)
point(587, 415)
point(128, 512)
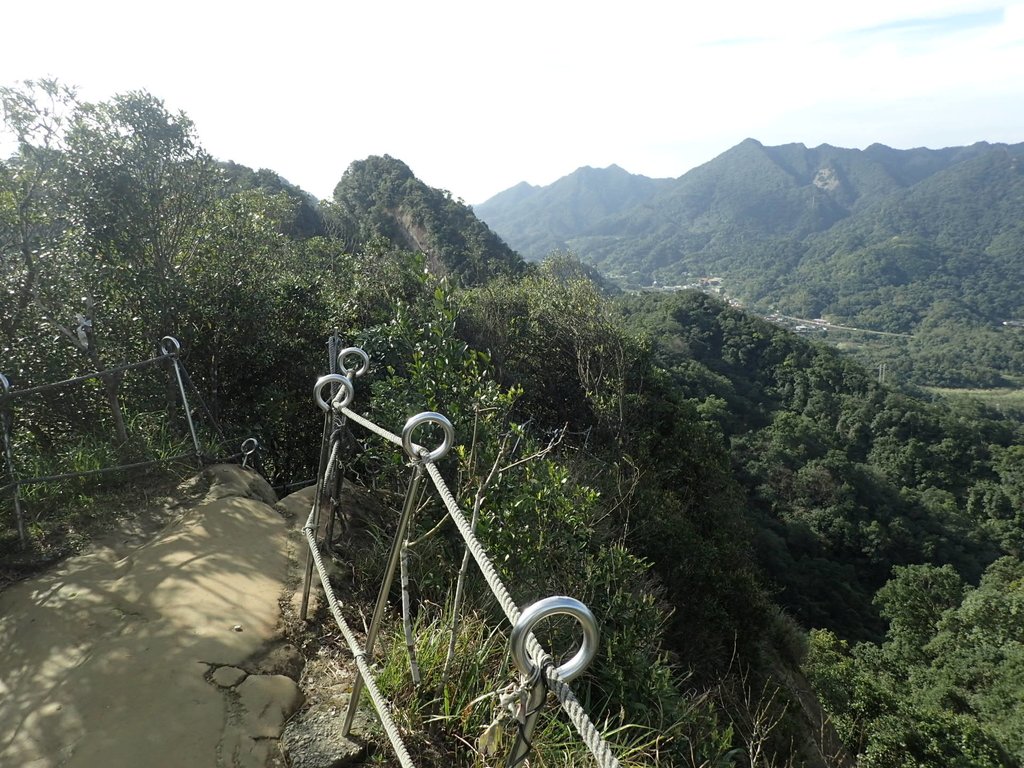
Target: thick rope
point(373, 427)
point(591, 736)
point(508, 605)
point(588, 731)
point(379, 703)
point(289, 486)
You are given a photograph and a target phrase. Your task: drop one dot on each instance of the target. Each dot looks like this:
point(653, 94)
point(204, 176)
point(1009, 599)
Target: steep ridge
point(380, 197)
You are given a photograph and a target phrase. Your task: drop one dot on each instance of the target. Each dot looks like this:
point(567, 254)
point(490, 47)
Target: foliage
point(944, 687)
point(380, 197)
point(843, 478)
point(921, 242)
point(673, 462)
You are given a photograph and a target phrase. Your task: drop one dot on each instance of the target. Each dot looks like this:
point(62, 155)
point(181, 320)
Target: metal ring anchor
point(333, 378)
point(427, 417)
point(249, 446)
point(363, 367)
point(5, 384)
point(170, 346)
point(542, 609)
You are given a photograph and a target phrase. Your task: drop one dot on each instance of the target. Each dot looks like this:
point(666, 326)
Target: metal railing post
point(314, 520)
point(170, 347)
point(338, 422)
point(346, 393)
point(409, 505)
point(412, 494)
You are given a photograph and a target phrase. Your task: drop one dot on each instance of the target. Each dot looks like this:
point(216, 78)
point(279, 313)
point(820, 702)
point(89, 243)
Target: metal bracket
point(346, 387)
point(249, 447)
point(359, 370)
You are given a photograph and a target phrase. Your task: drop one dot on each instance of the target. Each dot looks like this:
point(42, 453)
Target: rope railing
point(539, 673)
point(170, 350)
point(379, 703)
point(542, 660)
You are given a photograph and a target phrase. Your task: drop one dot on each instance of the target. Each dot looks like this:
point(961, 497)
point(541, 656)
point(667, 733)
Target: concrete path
point(158, 656)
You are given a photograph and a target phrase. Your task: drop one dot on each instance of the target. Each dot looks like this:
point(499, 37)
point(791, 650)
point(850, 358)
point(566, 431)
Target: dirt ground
point(162, 653)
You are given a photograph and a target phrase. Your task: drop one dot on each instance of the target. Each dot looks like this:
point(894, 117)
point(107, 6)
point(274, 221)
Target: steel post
point(385, 587)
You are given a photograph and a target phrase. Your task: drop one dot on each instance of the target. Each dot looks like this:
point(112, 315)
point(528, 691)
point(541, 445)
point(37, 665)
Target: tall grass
point(444, 718)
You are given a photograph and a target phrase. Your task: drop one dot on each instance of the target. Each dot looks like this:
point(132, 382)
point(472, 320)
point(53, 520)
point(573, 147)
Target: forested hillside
point(380, 197)
point(743, 510)
point(923, 243)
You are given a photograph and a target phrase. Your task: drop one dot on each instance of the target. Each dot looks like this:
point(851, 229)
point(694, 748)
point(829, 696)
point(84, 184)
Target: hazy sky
point(477, 96)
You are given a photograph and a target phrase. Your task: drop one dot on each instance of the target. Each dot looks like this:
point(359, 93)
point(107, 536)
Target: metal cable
point(379, 703)
point(599, 748)
point(332, 467)
point(100, 471)
point(14, 394)
point(289, 486)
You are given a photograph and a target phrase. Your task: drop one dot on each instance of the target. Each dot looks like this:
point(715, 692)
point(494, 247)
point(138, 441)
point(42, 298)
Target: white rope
point(599, 748)
point(373, 427)
point(508, 605)
point(379, 703)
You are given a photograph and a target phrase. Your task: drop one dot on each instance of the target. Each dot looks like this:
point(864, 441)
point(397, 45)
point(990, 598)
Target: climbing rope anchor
point(249, 448)
point(330, 469)
point(171, 347)
point(534, 675)
point(418, 456)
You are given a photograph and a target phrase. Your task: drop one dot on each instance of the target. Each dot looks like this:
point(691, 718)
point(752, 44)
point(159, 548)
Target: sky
point(478, 96)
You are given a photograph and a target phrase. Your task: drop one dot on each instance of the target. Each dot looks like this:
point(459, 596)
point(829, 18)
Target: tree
point(35, 114)
point(140, 186)
point(914, 601)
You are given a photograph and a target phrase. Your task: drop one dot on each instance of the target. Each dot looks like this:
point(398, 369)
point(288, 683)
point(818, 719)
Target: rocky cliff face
point(381, 197)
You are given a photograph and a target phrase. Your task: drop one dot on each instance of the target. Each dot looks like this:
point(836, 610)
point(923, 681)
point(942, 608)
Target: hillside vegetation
point(918, 242)
point(743, 510)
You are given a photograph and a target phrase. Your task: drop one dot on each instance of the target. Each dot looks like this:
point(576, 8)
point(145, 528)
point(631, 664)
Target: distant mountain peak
point(612, 169)
point(758, 209)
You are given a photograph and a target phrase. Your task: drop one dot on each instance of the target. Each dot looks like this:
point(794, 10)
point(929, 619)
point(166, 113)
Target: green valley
point(922, 242)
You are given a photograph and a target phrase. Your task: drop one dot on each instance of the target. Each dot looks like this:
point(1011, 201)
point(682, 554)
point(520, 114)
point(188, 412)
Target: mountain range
point(925, 243)
point(760, 214)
